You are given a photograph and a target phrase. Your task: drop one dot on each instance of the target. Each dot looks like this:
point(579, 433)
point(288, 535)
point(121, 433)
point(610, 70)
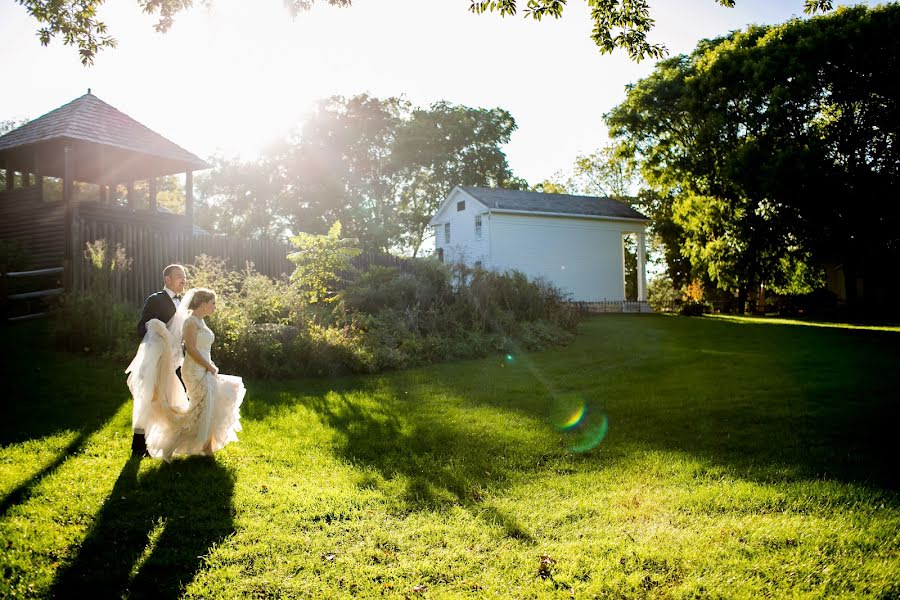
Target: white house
point(575, 242)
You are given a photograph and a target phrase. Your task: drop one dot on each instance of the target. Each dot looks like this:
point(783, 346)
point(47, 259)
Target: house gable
point(457, 194)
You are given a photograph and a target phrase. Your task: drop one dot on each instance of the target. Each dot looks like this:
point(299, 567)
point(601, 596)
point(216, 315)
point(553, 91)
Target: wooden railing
point(23, 301)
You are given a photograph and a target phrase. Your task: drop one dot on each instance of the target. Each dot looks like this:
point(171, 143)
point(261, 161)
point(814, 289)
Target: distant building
point(575, 242)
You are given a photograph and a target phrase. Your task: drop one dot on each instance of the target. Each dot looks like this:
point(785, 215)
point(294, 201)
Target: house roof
point(90, 119)
point(558, 204)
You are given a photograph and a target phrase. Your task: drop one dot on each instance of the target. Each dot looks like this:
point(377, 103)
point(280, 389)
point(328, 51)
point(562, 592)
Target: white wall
point(463, 246)
point(583, 257)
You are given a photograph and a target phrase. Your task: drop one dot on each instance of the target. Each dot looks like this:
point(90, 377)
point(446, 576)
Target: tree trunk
point(742, 299)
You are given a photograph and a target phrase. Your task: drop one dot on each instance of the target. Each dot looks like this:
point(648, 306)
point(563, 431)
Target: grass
point(742, 459)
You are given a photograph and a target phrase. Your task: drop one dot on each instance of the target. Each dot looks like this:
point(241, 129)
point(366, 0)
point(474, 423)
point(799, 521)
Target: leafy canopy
point(772, 150)
point(622, 24)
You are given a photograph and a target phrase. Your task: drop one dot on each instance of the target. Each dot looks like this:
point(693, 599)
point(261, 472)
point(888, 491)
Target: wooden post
point(152, 197)
point(38, 178)
point(69, 224)
point(189, 201)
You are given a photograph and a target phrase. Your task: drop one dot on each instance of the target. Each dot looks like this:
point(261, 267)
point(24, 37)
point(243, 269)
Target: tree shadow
point(152, 535)
point(443, 460)
point(48, 393)
point(769, 402)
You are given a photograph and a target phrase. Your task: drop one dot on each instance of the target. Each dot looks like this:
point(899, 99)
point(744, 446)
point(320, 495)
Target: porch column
point(641, 268)
point(38, 176)
point(189, 201)
point(70, 253)
point(152, 195)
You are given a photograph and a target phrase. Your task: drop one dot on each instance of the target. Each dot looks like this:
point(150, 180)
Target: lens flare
point(574, 419)
point(583, 425)
point(589, 434)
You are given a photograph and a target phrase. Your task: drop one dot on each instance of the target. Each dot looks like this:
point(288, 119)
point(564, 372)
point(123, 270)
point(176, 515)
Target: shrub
point(662, 295)
point(94, 319)
point(430, 312)
point(693, 308)
point(820, 302)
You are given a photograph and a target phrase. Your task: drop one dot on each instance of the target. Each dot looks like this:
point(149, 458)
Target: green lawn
point(742, 459)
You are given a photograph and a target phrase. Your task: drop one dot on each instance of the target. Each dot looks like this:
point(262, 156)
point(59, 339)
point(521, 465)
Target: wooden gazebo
point(86, 141)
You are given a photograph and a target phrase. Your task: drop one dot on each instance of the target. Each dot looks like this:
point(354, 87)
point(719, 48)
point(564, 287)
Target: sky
point(230, 78)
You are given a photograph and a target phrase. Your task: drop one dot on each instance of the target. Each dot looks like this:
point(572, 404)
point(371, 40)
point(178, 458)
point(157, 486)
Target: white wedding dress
point(201, 421)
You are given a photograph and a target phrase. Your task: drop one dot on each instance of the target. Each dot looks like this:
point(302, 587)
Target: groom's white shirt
point(172, 296)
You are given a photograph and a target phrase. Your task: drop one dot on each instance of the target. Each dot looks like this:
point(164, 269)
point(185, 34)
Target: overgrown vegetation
point(382, 319)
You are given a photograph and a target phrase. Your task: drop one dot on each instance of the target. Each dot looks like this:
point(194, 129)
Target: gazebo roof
point(91, 123)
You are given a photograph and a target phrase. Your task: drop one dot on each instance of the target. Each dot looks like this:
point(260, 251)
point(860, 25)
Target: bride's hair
point(201, 296)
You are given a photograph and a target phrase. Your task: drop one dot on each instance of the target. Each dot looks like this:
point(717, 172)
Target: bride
point(205, 418)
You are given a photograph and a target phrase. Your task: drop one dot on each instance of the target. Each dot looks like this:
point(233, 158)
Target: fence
point(151, 250)
point(613, 306)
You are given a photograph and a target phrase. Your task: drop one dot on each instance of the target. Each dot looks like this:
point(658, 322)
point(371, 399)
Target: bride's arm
point(190, 346)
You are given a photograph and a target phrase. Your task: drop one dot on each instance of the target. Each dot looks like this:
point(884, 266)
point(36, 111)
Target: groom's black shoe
point(139, 445)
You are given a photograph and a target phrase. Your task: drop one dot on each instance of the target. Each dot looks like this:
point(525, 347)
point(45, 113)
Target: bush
point(662, 295)
point(92, 323)
point(694, 308)
point(430, 312)
point(821, 302)
point(387, 318)
point(95, 320)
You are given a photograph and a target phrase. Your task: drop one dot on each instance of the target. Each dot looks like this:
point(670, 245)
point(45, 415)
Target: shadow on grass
point(48, 393)
point(151, 537)
point(766, 402)
point(391, 425)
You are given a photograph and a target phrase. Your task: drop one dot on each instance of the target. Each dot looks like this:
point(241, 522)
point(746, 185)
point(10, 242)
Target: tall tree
point(242, 198)
point(439, 148)
point(776, 147)
point(616, 24)
point(603, 173)
point(379, 166)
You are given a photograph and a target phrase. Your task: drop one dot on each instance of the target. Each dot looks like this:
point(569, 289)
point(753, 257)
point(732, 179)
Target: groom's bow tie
point(178, 297)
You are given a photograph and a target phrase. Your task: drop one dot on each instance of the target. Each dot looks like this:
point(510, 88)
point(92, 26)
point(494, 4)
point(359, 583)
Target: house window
point(446, 233)
point(478, 264)
point(440, 254)
point(478, 227)
point(461, 206)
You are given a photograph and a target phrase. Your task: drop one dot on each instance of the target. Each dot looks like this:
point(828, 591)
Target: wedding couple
point(182, 405)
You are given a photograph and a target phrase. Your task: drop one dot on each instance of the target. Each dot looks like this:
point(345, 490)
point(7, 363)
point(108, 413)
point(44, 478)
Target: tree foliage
point(774, 149)
point(379, 166)
point(605, 174)
point(320, 260)
point(616, 24)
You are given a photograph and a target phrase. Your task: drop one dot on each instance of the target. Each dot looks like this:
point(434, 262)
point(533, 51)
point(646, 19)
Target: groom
point(159, 305)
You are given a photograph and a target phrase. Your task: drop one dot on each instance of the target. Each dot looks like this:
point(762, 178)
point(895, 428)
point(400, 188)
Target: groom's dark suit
point(157, 306)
